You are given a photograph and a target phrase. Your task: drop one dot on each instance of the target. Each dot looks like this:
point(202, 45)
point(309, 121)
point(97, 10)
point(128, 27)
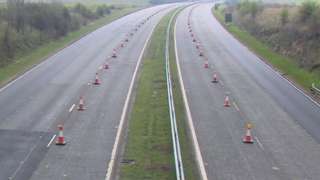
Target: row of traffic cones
point(247, 138)
point(60, 140)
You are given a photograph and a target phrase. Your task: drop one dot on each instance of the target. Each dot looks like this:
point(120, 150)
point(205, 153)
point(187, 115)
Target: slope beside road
point(285, 121)
point(34, 104)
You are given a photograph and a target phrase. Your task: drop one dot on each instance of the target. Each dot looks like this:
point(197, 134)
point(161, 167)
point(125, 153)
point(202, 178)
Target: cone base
point(247, 140)
point(58, 143)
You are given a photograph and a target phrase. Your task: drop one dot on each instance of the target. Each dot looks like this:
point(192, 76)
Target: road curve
point(33, 105)
point(286, 122)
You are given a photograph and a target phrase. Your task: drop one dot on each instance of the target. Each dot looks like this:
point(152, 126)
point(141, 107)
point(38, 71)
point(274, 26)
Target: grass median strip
point(149, 137)
point(149, 143)
point(26, 61)
point(288, 67)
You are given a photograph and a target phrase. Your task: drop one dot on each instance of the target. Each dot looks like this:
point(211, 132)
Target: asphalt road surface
point(286, 123)
point(34, 104)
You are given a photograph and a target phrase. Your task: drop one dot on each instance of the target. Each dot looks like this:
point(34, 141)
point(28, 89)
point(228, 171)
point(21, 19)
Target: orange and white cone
point(206, 64)
point(60, 140)
point(215, 78)
point(106, 66)
point(114, 53)
point(226, 102)
point(97, 80)
point(198, 46)
point(248, 137)
point(81, 104)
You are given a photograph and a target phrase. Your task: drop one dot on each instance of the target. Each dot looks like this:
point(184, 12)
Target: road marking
point(72, 107)
point(199, 158)
point(124, 111)
point(275, 168)
point(53, 137)
point(236, 106)
point(24, 160)
point(259, 143)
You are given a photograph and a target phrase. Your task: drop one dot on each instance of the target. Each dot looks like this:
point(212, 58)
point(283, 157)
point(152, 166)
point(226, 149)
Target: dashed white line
point(53, 137)
point(72, 107)
point(259, 143)
point(236, 106)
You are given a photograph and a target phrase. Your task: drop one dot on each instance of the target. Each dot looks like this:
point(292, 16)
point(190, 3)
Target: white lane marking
point(24, 160)
point(236, 106)
point(259, 143)
point(199, 158)
point(275, 168)
point(124, 111)
point(72, 107)
point(53, 137)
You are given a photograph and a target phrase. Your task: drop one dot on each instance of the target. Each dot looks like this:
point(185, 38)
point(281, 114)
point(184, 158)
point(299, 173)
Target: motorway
point(285, 122)
point(33, 105)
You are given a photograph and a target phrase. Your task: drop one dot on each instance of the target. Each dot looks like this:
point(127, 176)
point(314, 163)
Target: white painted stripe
point(53, 137)
point(72, 107)
point(259, 143)
point(124, 111)
point(236, 106)
point(199, 159)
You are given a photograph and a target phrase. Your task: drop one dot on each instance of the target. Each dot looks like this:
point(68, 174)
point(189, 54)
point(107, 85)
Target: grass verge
point(28, 60)
point(149, 142)
point(287, 66)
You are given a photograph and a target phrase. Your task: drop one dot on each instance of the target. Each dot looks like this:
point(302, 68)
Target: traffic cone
point(122, 45)
point(81, 104)
point(190, 30)
point(191, 35)
point(194, 40)
point(106, 66)
point(126, 40)
point(201, 53)
point(114, 53)
point(214, 78)
point(226, 102)
point(248, 137)
point(206, 64)
point(97, 80)
point(198, 46)
point(60, 140)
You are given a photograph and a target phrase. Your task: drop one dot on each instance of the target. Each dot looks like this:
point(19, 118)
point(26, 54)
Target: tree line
point(27, 25)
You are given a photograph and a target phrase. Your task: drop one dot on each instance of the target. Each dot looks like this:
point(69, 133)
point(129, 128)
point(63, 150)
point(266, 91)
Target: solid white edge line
point(199, 158)
point(72, 107)
point(124, 111)
point(54, 136)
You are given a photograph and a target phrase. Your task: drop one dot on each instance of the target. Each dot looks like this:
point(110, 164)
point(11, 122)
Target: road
point(285, 122)
point(33, 105)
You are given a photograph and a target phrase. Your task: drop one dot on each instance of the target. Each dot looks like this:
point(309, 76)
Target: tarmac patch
point(21, 152)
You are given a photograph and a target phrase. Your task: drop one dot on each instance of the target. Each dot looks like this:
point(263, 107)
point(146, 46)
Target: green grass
point(26, 61)
point(287, 66)
point(149, 137)
point(149, 141)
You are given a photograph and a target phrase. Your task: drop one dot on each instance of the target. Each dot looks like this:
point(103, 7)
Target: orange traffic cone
point(106, 66)
point(60, 140)
point(81, 104)
point(198, 46)
point(97, 80)
point(206, 64)
point(248, 137)
point(114, 53)
point(214, 78)
point(226, 102)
